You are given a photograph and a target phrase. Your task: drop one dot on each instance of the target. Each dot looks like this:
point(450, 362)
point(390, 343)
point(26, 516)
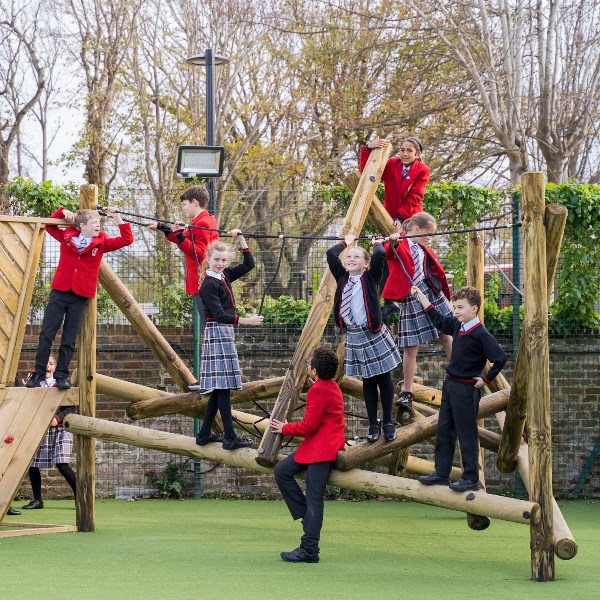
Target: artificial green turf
point(156, 549)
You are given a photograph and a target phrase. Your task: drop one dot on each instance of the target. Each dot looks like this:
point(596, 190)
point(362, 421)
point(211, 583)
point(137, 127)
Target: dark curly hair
point(470, 294)
point(324, 362)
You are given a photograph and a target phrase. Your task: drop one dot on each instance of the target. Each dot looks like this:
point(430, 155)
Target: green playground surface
point(154, 549)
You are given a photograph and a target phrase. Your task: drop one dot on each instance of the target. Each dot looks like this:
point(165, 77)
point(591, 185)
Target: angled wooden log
point(146, 329)
point(565, 546)
point(321, 308)
point(410, 434)
point(508, 509)
point(535, 336)
point(555, 217)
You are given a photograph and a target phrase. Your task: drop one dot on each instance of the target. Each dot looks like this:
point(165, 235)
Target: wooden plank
point(30, 429)
point(26, 292)
point(23, 230)
point(36, 220)
point(9, 295)
point(10, 399)
point(11, 271)
point(22, 529)
point(16, 248)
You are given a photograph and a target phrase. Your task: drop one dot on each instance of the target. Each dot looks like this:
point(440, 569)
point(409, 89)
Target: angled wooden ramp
point(25, 415)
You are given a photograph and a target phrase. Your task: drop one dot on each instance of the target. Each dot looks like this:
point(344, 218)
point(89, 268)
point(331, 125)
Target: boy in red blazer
point(74, 283)
point(323, 431)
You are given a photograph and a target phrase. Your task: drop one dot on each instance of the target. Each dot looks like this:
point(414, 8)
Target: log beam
point(508, 509)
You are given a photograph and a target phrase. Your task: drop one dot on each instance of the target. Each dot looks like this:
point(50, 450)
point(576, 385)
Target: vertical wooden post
point(86, 370)
point(535, 329)
point(475, 278)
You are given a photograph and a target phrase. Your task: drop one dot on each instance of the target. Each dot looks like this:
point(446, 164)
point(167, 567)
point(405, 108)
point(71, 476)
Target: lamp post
point(209, 60)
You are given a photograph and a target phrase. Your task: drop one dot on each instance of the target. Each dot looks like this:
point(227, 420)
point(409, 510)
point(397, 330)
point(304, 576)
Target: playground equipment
point(542, 229)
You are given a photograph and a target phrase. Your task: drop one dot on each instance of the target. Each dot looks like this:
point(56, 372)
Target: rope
point(499, 269)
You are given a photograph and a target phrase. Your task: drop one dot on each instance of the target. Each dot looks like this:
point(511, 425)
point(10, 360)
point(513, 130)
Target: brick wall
point(265, 352)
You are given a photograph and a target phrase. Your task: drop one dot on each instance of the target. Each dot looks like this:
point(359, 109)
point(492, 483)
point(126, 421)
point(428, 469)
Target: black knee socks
point(65, 470)
point(386, 392)
point(220, 400)
point(35, 477)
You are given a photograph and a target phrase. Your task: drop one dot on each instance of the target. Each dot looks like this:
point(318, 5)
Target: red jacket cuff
point(429, 308)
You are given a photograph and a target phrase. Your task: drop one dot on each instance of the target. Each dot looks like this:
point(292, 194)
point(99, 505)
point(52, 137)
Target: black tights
point(386, 391)
point(35, 477)
point(220, 400)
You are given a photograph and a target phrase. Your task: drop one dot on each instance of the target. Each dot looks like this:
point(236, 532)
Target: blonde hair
point(422, 220)
point(366, 255)
point(213, 247)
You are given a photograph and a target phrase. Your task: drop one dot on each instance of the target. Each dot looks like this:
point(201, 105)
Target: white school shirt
point(357, 303)
point(469, 324)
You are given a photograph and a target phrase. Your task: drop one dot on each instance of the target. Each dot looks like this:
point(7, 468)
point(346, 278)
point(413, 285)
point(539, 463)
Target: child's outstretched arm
point(415, 291)
point(333, 256)
point(113, 212)
point(240, 270)
point(126, 237)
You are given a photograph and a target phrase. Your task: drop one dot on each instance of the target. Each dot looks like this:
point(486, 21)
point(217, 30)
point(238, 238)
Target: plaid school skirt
point(56, 448)
point(415, 326)
point(220, 367)
point(368, 354)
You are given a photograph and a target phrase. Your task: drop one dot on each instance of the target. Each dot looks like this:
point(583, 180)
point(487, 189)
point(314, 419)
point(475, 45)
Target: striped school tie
point(345, 310)
point(418, 276)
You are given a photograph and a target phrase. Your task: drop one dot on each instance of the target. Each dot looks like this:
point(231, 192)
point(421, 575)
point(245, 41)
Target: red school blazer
point(79, 272)
point(202, 238)
point(402, 197)
point(322, 426)
point(397, 286)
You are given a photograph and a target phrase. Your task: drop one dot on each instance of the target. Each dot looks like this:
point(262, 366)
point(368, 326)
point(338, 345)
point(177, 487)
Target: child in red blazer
point(74, 283)
point(323, 431)
point(410, 263)
point(404, 177)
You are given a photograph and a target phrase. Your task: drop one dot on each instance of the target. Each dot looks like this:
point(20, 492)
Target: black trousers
point(307, 507)
point(458, 419)
point(69, 307)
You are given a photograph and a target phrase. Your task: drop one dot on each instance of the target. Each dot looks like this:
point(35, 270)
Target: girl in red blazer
point(404, 177)
point(323, 431)
point(420, 267)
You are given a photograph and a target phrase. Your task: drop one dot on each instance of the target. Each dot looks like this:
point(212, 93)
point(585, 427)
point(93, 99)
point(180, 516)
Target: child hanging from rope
point(220, 369)
point(410, 263)
point(370, 350)
point(323, 431)
point(56, 448)
point(404, 179)
point(192, 241)
point(74, 283)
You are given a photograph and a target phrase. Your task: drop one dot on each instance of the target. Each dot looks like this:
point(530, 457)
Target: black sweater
point(370, 281)
point(470, 349)
point(216, 294)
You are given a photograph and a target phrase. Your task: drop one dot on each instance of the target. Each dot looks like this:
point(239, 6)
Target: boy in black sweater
point(472, 347)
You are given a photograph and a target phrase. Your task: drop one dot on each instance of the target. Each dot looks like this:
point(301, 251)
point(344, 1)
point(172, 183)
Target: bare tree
point(22, 77)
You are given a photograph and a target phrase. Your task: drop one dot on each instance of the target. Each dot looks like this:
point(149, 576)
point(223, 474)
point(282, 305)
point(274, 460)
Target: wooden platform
point(25, 415)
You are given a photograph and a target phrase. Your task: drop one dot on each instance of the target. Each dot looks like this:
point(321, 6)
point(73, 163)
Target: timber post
point(86, 370)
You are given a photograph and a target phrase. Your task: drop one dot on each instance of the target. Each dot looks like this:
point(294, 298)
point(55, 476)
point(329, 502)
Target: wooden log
point(475, 278)
point(565, 546)
point(535, 329)
point(555, 217)
point(125, 390)
point(193, 405)
point(508, 509)
point(145, 327)
point(427, 395)
point(321, 308)
point(86, 370)
point(410, 434)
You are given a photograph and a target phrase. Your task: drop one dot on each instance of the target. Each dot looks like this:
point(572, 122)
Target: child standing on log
point(220, 369)
point(412, 263)
point(74, 283)
point(323, 431)
point(404, 179)
point(56, 448)
point(370, 350)
point(472, 347)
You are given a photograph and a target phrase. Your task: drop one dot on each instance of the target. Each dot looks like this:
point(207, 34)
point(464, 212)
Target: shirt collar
point(470, 324)
point(214, 274)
